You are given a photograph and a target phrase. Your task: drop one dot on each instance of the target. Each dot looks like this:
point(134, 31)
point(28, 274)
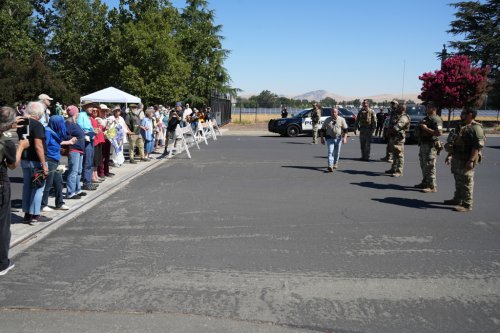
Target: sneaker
point(82, 194)
point(47, 209)
point(6, 270)
point(452, 202)
point(396, 174)
point(41, 218)
point(62, 207)
point(462, 209)
point(429, 190)
point(330, 169)
point(89, 187)
point(132, 162)
point(74, 197)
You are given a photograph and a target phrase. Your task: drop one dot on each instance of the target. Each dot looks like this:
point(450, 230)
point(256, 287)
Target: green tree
point(478, 23)
point(147, 56)
point(80, 44)
point(201, 43)
point(328, 101)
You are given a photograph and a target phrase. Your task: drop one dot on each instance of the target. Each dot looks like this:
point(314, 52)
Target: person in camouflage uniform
point(366, 122)
point(315, 118)
point(393, 114)
point(427, 133)
point(464, 153)
point(397, 136)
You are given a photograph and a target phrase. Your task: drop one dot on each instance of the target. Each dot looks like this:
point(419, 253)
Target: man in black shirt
point(35, 168)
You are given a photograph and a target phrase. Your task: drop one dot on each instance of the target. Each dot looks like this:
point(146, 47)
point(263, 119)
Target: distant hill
point(318, 95)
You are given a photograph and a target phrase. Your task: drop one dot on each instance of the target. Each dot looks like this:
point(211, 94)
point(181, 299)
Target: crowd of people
point(92, 136)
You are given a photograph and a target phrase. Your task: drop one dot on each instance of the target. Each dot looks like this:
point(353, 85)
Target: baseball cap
point(44, 96)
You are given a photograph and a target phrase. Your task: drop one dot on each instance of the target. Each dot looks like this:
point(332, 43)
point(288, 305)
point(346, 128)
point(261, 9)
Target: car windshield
point(416, 110)
point(301, 114)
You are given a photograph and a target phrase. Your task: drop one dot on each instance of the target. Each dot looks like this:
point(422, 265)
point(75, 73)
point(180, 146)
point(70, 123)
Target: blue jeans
point(88, 163)
point(333, 145)
point(32, 196)
point(75, 161)
point(54, 179)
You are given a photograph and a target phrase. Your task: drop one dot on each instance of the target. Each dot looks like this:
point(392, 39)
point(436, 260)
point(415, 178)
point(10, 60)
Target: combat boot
point(396, 174)
point(421, 185)
point(390, 171)
point(430, 190)
point(462, 209)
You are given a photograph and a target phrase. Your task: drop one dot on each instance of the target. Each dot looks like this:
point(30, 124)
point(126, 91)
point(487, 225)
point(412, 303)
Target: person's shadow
point(363, 172)
point(386, 186)
point(412, 203)
point(320, 169)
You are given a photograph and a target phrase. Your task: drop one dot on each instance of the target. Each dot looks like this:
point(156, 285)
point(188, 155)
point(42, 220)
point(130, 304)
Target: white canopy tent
point(111, 95)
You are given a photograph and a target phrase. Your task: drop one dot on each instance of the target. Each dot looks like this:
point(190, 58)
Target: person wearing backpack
point(10, 157)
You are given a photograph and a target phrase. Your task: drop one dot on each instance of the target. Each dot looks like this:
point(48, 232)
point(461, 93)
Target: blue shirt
point(147, 135)
point(85, 124)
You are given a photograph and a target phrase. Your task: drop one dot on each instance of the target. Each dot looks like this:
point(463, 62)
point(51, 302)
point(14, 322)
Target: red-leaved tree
point(456, 85)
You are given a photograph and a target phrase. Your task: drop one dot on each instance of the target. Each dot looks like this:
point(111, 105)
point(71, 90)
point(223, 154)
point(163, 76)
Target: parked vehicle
point(301, 123)
point(416, 112)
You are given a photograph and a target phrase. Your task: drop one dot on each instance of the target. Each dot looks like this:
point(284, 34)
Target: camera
point(24, 122)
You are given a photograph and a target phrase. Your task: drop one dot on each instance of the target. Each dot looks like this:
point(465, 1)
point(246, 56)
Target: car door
point(307, 121)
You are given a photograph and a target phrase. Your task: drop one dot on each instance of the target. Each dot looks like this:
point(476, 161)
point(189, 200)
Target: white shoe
point(63, 207)
point(47, 209)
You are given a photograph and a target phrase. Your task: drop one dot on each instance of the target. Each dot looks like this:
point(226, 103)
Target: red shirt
point(98, 138)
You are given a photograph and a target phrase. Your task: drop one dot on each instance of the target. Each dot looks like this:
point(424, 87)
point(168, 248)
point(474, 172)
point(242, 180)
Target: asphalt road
point(252, 235)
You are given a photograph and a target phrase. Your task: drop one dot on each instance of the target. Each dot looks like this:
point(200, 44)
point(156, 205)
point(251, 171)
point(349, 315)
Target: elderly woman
point(9, 157)
point(75, 158)
point(147, 133)
point(55, 132)
point(33, 163)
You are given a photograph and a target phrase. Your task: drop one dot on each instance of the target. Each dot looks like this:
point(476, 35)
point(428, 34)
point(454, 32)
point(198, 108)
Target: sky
point(347, 47)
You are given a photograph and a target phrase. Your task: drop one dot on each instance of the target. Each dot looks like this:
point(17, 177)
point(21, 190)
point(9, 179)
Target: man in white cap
point(45, 100)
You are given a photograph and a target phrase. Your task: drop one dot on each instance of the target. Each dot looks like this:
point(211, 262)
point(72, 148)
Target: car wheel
point(292, 131)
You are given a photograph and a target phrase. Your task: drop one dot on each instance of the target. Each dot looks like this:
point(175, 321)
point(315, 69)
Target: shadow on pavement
point(320, 169)
point(413, 203)
point(15, 219)
point(296, 143)
point(18, 180)
point(386, 186)
point(494, 147)
point(363, 172)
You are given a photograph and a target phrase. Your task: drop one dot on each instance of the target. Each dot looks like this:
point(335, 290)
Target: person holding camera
point(33, 163)
point(173, 120)
point(9, 158)
point(334, 129)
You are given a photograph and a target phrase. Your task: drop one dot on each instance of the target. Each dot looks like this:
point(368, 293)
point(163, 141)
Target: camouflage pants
point(398, 155)
point(427, 156)
point(135, 140)
point(365, 140)
point(464, 182)
point(315, 132)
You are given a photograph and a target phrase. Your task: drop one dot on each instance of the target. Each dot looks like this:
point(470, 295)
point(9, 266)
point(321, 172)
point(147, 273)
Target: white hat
point(44, 96)
point(103, 107)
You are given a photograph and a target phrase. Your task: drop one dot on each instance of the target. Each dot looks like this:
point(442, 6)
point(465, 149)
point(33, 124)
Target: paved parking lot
point(254, 232)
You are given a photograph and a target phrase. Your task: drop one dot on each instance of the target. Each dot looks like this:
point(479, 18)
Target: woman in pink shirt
point(98, 145)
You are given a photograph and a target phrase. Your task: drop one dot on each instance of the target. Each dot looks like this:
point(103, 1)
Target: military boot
point(462, 209)
point(452, 202)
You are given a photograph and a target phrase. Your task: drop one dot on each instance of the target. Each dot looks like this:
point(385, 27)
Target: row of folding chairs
point(186, 137)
